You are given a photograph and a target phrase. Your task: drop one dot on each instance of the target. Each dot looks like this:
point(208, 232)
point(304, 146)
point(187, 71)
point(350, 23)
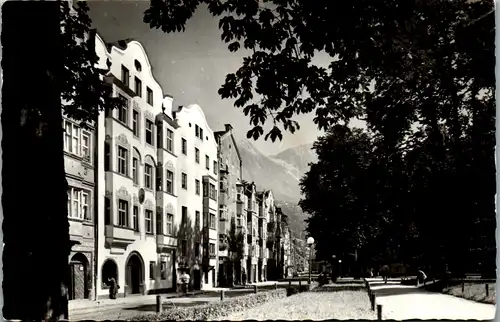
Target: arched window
point(109, 270)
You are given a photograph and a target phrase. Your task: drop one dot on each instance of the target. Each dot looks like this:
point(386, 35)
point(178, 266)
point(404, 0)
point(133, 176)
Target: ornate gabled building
point(198, 172)
point(153, 186)
point(230, 165)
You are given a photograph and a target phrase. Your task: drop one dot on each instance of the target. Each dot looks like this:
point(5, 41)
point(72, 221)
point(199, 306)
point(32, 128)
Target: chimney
point(167, 104)
point(228, 127)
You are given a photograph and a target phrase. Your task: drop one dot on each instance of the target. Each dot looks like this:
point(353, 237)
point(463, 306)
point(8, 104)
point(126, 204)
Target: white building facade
point(150, 187)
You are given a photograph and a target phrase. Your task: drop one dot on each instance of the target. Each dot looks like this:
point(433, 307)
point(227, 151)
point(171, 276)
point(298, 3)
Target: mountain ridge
point(280, 173)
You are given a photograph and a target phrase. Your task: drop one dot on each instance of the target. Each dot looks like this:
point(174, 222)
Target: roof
point(220, 134)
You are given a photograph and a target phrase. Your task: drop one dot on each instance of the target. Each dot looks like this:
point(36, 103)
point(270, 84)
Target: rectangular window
point(184, 146)
point(170, 141)
point(170, 182)
point(197, 130)
point(122, 213)
point(75, 198)
point(122, 160)
point(213, 192)
point(152, 270)
point(86, 145)
point(107, 211)
point(159, 136)
point(123, 109)
point(212, 221)
point(68, 132)
point(205, 189)
point(135, 175)
point(135, 122)
point(184, 215)
point(215, 167)
point(239, 222)
point(85, 206)
point(138, 87)
point(201, 133)
point(159, 223)
point(107, 156)
point(197, 186)
point(135, 219)
point(148, 176)
point(150, 96)
point(78, 204)
point(183, 247)
point(148, 219)
point(196, 249)
point(197, 155)
point(125, 75)
point(163, 270)
point(197, 220)
point(205, 219)
point(149, 132)
point(207, 162)
point(184, 181)
point(212, 249)
point(170, 224)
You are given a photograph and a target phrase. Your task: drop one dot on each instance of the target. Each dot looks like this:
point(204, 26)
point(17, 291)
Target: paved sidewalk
point(402, 302)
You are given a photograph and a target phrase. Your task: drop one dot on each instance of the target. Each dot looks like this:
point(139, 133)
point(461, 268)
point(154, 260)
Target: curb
point(98, 307)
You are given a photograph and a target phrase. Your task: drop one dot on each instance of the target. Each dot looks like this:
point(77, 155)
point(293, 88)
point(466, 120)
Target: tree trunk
point(36, 229)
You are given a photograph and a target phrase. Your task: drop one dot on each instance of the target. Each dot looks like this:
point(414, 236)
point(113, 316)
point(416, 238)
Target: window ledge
point(150, 145)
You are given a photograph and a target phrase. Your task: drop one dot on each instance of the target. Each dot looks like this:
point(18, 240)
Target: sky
point(192, 65)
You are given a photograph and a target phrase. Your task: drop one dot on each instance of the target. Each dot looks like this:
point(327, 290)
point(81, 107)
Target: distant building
point(230, 165)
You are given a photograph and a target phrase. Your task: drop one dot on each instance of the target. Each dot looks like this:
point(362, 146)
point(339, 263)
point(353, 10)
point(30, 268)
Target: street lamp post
point(310, 242)
point(340, 268)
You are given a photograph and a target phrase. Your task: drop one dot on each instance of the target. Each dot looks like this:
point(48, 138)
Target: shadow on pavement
point(392, 290)
point(166, 305)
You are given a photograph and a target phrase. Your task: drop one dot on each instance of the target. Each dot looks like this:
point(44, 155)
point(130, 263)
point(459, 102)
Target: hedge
point(214, 310)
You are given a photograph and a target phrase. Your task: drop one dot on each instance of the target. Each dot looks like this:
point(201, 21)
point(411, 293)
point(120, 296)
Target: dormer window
point(125, 75)
point(138, 87)
point(137, 65)
point(150, 96)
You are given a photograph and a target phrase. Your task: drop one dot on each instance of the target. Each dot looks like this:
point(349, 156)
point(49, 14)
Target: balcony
point(223, 168)
point(239, 209)
point(118, 238)
point(165, 243)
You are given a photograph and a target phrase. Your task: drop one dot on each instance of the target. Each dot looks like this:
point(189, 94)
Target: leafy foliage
point(397, 45)
point(83, 89)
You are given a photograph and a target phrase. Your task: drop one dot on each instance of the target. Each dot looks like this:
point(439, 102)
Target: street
point(147, 304)
point(401, 302)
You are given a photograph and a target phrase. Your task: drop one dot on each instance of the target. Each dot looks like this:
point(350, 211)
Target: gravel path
point(311, 306)
point(401, 302)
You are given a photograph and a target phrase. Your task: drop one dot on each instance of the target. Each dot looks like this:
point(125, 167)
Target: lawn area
point(475, 292)
point(311, 306)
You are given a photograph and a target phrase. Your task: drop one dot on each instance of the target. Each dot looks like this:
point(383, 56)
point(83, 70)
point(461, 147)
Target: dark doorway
point(197, 279)
point(78, 270)
point(134, 274)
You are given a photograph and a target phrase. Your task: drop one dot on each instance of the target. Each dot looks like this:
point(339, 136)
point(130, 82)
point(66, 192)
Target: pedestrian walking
point(185, 282)
point(371, 272)
point(113, 288)
point(244, 276)
point(384, 271)
point(421, 277)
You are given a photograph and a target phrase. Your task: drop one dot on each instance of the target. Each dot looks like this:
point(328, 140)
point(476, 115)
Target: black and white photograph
point(172, 160)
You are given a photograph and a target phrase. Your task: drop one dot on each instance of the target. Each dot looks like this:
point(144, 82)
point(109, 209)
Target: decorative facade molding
point(170, 166)
point(149, 115)
point(135, 199)
point(122, 140)
point(122, 193)
point(149, 204)
point(170, 209)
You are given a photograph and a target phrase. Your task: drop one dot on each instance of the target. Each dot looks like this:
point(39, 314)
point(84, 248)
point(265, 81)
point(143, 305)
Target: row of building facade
point(153, 190)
